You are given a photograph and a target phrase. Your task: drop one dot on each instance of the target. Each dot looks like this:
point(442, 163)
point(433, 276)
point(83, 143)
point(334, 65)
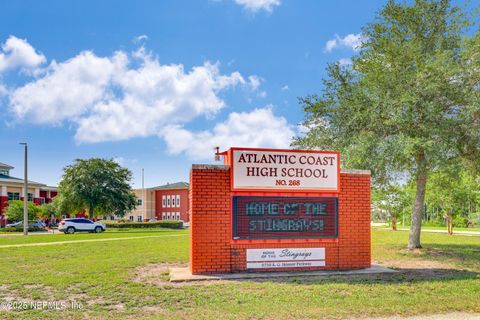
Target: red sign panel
point(284, 217)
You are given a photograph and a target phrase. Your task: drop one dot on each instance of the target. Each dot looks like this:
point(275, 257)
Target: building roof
point(176, 185)
point(9, 179)
point(6, 166)
point(4, 176)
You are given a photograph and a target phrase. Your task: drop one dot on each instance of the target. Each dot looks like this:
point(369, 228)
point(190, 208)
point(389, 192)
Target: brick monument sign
point(278, 210)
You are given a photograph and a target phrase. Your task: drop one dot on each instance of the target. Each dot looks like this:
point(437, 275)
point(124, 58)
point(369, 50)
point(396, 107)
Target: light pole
point(25, 191)
point(144, 200)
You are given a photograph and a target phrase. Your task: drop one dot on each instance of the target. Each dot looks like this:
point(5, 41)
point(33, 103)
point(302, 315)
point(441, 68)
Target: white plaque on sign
point(285, 264)
point(286, 254)
point(285, 258)
point(292, 170)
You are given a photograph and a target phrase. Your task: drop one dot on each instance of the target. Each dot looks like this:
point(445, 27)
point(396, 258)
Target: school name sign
point(285, 170)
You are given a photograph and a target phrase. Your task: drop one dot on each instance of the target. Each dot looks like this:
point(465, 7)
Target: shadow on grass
point(459, 253)
point(402, 276)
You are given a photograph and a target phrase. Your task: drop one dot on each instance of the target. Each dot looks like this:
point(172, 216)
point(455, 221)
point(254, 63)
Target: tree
point(391, 199)
point(408, 103)
point(52, 209)
point(98, 185)
point(453, 190)
point(15, 210)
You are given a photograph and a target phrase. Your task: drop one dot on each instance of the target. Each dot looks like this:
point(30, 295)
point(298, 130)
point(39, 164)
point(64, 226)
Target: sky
point(158, 84)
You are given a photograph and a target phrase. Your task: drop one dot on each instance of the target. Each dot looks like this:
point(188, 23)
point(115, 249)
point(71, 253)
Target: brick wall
point(3, 207)
point(184, 203)
point(212, 249)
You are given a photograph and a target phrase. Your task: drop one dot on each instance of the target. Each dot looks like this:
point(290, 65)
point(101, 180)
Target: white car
point(80, 224)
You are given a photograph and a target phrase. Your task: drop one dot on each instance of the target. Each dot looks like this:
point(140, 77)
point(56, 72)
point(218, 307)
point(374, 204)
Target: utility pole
point(144, 201)
point(25, 190)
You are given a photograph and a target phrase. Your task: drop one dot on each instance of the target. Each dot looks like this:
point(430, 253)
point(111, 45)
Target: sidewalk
point(455, 233)
point(36, 244)
point(35, 233)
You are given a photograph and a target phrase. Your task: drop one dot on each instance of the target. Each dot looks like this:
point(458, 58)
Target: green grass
point(101, 276)
point(399, 226)
point(111, 233)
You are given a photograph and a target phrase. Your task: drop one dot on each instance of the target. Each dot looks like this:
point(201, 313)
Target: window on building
point(168, 201)
point(5, 172)
point(13, 195)
point(178, 215)
point(139, 202)
point(30, 197)
point(164, 201)
point(178, 201)
point(164, 216)
point(131, 218)
point(42, 200)
point(168, 216)
point(139, 219)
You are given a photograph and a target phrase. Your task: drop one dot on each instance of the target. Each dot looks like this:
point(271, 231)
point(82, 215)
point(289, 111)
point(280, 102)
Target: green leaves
point(14, 210)
point(411, 89)
point(97, 185)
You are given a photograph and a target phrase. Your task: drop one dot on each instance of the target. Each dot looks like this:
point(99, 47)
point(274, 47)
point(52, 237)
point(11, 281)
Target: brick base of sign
point(212, 249)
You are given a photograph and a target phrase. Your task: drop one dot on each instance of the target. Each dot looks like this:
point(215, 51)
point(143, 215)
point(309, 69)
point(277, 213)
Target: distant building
point(172, 202)
point(11, 188)
point(167, 202)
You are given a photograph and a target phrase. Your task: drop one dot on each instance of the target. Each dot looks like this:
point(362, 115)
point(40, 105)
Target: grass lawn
point(399, 226)
point(9, 238)
point(123, 279)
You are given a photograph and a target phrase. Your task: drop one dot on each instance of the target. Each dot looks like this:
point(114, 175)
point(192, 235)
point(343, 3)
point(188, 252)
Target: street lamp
point(25, 191)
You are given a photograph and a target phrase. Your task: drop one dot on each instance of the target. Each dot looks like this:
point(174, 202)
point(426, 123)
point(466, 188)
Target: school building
point(11, 188)
point(166, 202)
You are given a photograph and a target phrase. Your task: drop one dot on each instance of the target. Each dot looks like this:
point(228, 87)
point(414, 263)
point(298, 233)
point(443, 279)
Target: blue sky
point(158, 84)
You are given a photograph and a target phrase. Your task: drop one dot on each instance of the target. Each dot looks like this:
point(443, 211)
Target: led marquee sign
point(257, 217)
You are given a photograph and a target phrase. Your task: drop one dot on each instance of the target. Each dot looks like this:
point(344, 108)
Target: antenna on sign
point(217, 153)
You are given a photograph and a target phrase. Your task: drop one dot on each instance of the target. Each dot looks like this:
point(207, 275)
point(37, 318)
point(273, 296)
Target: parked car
point(152, 220)
point(80, 224)
point(31, 224)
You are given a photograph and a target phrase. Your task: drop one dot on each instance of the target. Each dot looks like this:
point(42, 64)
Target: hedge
point(158, 224)
point(30, 229)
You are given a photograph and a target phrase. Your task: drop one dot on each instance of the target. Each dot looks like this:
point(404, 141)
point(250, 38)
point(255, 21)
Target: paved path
point(455, 233)
point(85, 240)
point(444, 316)
point(184, 274)
point(35, 233)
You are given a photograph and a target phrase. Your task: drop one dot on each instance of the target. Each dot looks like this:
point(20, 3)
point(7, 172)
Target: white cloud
point(3, 90)
point(142, 37)
point(262, 94)
point(257, 5)
point(345, 62)
point(68, 89)
point(119, 160)
point(18, 53)
point(258, 128)
point(285, 88)
point(254, 82)
point(108, 99)
point(153, 96)
point(352, 41)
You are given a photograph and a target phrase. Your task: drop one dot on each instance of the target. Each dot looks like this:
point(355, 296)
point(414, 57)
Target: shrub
point(460, 222)
point(30, 229)
point(159, 224)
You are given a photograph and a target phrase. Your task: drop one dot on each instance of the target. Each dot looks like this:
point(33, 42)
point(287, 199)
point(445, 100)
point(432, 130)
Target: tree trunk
point(394, 223)
point(450, 223)
point(416, 225)
point(90, 211)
